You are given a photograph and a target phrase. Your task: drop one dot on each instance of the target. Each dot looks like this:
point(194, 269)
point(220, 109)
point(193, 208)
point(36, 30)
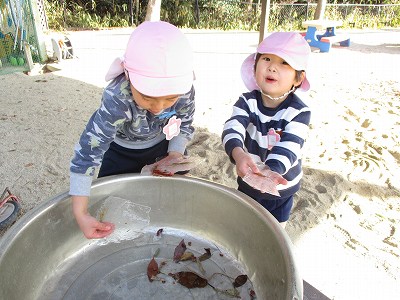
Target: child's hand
point(165, 161)
point(94, 229)
point(169, 165)
point(244, 163)
point(90, 226)
point(275, 177)
point(265, 181)
point(259, 177)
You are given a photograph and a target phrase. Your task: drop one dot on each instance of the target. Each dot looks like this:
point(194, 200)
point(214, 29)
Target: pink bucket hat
point(290, 46)
point(159, 60)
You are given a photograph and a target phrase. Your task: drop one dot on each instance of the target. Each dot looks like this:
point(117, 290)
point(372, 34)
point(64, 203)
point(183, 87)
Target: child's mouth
point(270, 80)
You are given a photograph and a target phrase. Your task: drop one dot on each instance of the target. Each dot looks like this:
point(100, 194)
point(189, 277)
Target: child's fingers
point(280, 180)
point(103, 229)
point(105, 226)
point(254, 168)
point(276, 177)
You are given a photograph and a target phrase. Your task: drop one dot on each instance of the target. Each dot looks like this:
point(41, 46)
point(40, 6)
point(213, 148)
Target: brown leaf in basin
point(152, 269)
point(240, 280)
point(179, 250)
point(190, 280)
point(206, 255)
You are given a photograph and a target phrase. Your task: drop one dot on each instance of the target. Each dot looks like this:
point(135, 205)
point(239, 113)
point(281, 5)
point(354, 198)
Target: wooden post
point(28, 56)
point(320, 10)
point(131, 12)
point(265, 6)
point(137, 13)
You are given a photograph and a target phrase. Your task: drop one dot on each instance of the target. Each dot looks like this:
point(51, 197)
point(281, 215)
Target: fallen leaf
point(187, 256)
point(190, 280)
point(206, 255)
point(159, 231)
point(152, 269)
point(179, 250)
point(240, 280)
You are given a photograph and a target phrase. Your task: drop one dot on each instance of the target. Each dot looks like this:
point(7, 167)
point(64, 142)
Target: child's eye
point(266, 58)
point(285, 63)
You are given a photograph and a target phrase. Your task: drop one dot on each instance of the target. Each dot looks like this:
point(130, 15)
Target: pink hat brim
point(247, 73)
point(157, 87)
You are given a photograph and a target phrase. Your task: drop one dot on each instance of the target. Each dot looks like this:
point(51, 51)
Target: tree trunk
point(153, 10)
point(320, 10)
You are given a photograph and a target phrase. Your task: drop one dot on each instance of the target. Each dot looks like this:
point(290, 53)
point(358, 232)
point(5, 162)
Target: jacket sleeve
point(185, 109)
point(95, 140)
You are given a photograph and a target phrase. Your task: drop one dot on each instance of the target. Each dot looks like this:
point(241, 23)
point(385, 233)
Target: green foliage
point(177, 12)
point(62, 14)
point(229, 15)
point(55, 15)
point(217, 14)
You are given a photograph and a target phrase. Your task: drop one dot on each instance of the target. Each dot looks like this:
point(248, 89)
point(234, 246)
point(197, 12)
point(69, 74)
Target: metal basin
point(45, 256)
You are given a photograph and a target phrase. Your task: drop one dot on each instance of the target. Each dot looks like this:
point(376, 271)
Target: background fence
point(218, 14)
point(22, 20)
point(289, 16)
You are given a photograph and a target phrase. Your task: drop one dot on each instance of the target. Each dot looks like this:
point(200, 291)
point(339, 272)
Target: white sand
point(345, 221)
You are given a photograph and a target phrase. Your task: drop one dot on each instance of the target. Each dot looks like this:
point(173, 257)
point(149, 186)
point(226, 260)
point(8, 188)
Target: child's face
point(155, 105)
point(275, 76)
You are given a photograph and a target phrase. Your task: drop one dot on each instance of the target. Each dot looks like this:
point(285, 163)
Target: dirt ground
point(344, 224)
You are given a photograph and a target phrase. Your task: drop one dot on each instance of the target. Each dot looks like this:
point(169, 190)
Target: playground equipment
point(9, 208)
point(21, 35)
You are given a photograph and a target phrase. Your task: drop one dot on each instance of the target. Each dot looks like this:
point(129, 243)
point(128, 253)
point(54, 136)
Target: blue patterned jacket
point(119, 119)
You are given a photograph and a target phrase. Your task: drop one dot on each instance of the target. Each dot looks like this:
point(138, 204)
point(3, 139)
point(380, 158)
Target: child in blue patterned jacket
point(146, 113)
point(270, 123)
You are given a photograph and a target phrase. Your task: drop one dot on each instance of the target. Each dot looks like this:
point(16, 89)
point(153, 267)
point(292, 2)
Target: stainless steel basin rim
point(47, 237)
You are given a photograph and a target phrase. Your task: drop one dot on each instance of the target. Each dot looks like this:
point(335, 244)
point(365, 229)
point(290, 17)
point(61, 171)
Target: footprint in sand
point(356, 208)
point(367, 159)
point(216, 165)
point(366, 123)
point(396, 155)
point(321, 189)
point(390, 239)
point(351, 114)
point(351, 242)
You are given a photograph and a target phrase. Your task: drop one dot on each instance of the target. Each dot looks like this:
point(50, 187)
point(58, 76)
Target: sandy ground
point(345, 221)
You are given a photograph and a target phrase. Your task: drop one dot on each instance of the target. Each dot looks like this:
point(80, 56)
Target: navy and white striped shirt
point(248, 128)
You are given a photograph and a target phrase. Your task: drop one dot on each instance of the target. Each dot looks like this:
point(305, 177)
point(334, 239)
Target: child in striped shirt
point(269, 124)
